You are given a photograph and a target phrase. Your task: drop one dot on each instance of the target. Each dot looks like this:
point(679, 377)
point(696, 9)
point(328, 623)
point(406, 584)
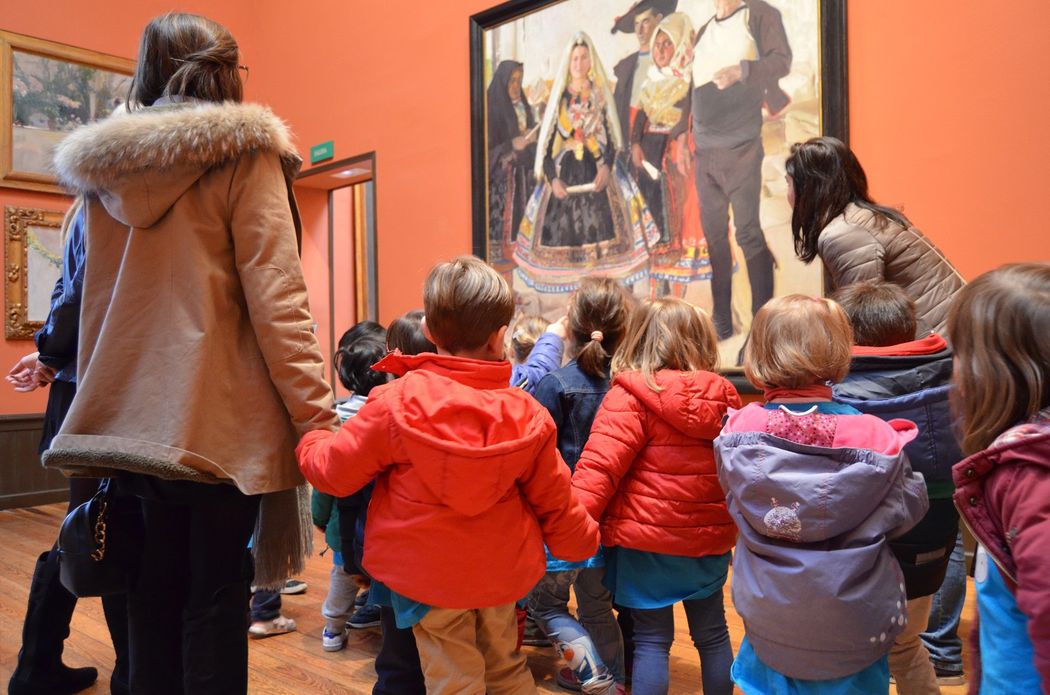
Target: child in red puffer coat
point(648, 476)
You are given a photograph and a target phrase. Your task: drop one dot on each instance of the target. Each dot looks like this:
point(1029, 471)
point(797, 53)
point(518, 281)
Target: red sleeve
point(570, 534)
point(1021, 494)
point(617, 435)
point(341, 463)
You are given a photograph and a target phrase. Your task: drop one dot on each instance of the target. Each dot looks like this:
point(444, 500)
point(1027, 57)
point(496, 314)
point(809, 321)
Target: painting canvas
point(33, 263)
point(646, 140)
point(50, 89)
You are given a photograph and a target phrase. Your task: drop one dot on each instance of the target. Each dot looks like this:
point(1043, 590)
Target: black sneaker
point(949, 677)
point(362, 598)
point(364, 617)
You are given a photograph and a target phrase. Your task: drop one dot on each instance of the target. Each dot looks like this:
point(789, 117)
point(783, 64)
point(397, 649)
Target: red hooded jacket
point(470, 485)
point(648, 470)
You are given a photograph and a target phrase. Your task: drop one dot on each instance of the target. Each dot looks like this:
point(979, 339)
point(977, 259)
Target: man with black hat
point(740, 55)
point(630, 72)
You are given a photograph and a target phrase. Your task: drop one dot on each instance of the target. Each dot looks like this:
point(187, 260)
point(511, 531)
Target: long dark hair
point(186, 55)
point(827, 177)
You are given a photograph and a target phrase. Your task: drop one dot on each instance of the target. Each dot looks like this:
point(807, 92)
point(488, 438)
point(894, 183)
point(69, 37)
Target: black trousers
point(187, 606)
point(732, 177)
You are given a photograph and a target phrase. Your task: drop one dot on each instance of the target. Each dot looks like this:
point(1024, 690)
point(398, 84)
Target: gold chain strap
point(100, 534)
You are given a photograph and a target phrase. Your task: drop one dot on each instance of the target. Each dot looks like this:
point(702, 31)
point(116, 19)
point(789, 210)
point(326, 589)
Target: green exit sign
point(319, 153)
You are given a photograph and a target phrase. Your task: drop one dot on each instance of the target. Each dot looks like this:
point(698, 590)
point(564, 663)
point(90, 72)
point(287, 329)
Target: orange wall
point(945, 116)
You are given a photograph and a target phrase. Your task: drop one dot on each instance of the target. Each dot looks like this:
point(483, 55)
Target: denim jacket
point(572, 398)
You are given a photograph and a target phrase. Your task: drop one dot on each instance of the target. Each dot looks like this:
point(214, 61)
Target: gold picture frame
point(46, 90)
point(32, 263)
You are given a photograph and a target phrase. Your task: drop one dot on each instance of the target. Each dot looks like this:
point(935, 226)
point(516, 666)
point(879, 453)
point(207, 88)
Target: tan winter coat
point(197, 359)
point(855, 248)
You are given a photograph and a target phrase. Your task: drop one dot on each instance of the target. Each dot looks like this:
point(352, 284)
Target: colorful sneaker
point(364, 617)
point(293, 586)
point(333, 641)
point(268, 628)
point(567, 680)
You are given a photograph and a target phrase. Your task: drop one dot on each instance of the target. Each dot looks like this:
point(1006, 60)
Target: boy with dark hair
point(470, 486)
point(893, 376)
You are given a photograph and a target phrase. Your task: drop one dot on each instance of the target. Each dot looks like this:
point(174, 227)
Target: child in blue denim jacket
point(599, 314)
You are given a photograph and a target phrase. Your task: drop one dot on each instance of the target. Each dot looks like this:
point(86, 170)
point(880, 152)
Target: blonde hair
point(527, 330)
point(798, 341)
point(600, 306)
point(465, 301)
point(999, 326)
point(667, 333)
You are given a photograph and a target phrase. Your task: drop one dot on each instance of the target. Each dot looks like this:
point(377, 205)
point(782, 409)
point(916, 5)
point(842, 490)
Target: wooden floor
point(292, 663)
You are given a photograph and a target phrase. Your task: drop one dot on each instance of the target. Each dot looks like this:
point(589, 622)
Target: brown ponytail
point(186, 55)
point(598, 317)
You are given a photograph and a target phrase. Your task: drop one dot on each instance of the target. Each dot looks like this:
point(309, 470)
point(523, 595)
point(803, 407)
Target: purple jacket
point(545, 357)
point(1003, 496)
point(814, 580)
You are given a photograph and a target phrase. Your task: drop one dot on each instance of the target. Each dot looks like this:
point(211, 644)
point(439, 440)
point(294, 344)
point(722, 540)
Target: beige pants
point(909, 661)
point(471, 652)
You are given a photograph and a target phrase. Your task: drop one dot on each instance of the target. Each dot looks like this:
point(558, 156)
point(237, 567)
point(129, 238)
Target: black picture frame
point(834, 91)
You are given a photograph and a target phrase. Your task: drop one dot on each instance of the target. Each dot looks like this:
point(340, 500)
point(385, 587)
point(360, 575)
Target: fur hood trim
point(95, 156)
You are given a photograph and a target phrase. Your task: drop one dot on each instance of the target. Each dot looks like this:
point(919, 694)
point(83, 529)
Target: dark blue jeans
point(654, 633)
point(397, 663)
point(266, 605)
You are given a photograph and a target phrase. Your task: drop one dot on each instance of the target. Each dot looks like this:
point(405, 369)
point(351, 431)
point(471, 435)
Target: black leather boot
point(40, 669)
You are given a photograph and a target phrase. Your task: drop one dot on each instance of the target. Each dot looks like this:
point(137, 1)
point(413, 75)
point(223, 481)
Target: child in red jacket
point(470, 486)
point(648, 475)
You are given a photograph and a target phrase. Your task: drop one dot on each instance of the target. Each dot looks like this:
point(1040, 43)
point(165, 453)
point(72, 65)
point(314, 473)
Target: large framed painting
point(646, 140)
point(46, 90)
point(32, 264)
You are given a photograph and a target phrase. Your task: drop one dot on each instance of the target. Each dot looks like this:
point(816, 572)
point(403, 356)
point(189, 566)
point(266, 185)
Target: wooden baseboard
point(23, 481)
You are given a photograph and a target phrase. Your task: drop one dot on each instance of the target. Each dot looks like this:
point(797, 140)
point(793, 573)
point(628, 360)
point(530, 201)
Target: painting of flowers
point(50, 90)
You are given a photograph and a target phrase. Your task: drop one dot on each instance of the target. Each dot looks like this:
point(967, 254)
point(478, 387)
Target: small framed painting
point(46, 90)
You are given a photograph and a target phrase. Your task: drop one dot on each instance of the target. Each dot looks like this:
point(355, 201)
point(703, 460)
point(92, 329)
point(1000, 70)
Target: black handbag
point(98, 543)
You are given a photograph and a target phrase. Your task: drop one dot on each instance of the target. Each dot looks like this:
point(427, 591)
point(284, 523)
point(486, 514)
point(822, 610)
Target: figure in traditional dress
point(680, 256)
point(586, 214)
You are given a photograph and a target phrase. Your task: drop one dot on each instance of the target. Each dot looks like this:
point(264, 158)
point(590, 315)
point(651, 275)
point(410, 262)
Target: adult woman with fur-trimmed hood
point(198, 367)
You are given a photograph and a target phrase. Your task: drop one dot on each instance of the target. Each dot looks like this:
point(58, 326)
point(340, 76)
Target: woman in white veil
point(586, 214)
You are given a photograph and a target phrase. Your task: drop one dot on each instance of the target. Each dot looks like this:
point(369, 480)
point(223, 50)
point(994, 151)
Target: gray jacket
point(814, 580)
point(855, 247)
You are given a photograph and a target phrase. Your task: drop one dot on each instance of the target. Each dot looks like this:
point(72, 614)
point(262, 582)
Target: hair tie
point(597, 335)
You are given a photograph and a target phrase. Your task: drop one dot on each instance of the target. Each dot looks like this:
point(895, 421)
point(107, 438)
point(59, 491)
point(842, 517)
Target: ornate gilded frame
point(17, 221)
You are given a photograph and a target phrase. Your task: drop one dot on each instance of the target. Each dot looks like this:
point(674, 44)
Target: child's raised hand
point(560, 327)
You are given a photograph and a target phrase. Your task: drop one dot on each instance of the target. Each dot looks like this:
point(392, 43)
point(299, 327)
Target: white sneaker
point(333, 642)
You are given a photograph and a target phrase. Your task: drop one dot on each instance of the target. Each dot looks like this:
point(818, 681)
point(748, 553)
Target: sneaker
point(293, 586)
point(363, 617)
point(567, 680)
point(268, 628)
point(333, 641)
point(949, 677)
point(361, 600)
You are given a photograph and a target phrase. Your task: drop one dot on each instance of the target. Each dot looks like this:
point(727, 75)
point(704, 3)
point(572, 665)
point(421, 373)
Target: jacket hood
point(918, 372)
point(694, 403)
point(468, 434)
point(140, 162)
point(785, 489)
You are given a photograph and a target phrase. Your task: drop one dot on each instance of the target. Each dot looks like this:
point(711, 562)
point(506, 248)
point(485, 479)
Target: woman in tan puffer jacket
point(857, 239)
